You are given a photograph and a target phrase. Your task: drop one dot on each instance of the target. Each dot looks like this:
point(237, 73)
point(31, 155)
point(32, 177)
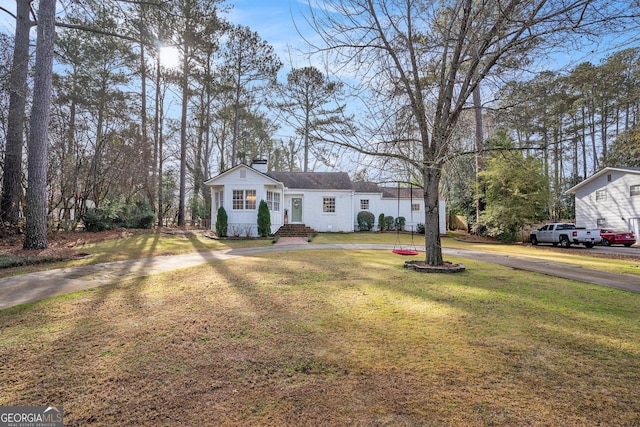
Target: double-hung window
point(634, 190)
point(601, 195)
point(244, 199)
point(364, 204)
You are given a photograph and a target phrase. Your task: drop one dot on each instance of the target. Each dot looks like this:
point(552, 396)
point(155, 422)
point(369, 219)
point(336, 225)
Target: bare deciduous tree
point(429, 56)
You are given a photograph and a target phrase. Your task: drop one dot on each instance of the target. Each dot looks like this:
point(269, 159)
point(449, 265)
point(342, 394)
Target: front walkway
point(292, 241)
point(44, 284)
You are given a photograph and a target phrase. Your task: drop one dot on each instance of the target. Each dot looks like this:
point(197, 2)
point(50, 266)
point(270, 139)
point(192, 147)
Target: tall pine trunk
point(36, 209)
point(479, 143)
point(183, 140)
point(12, 176)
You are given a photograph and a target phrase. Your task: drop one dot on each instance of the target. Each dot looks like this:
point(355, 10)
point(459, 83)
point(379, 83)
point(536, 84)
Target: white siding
point(619, 209)
point(390, 207)
point(344, 219)
point(312, 211)
point(245, 221)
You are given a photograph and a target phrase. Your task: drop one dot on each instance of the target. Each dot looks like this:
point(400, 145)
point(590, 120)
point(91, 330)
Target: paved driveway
point(36, 286)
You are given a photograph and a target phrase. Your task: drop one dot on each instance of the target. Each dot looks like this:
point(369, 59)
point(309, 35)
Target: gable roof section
point(314, 180)
point(241, 165)
point(598, 174)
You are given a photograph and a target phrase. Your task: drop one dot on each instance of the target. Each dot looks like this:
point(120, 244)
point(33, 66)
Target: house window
point(219, 199)
point(634, 190)
point(244, 199)
point(273, 201)
point(601, 195)
point(329, 204)
point(609, 177)
point(415, 207)
point(364, 204)
point(601, 222)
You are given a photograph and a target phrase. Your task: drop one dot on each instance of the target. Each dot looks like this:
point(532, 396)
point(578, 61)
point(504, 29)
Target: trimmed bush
point(221, 222)
point(420, 228)
point(264, 219)
point(365, 221)
point(381, 222)
point(389, 223)
point(399, 223)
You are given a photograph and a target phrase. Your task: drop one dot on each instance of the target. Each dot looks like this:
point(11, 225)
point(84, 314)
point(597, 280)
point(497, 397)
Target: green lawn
point(329, 338)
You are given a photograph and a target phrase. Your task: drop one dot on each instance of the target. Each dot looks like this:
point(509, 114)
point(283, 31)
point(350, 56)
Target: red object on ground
point(405, 252)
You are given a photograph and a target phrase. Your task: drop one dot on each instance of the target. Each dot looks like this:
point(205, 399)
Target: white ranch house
point(324, 201)
point(609, 199)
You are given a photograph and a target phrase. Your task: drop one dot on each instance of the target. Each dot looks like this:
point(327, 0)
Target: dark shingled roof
point(366, 187)
point(314, 180)
point(405, 193)
point(388, 192)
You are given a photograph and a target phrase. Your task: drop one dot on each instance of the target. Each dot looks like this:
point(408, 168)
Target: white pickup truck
point(565, 235)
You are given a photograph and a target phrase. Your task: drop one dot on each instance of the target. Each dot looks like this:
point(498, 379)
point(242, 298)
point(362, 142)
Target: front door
point(296, 209)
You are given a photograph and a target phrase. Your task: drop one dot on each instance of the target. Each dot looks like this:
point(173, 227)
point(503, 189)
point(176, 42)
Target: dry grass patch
point(329, 338)
point(85, 248)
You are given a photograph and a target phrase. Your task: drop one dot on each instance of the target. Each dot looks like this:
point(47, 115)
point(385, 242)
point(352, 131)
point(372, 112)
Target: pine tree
point(221, 222)
point(264, 219)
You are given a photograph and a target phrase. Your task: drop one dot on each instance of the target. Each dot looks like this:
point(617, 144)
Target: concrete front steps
point(295, 230)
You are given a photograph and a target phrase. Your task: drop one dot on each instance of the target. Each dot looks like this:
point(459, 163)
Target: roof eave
point(597, 175)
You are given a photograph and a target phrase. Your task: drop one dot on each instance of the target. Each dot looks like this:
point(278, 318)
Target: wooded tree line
point(575, 122)
point(128, 132)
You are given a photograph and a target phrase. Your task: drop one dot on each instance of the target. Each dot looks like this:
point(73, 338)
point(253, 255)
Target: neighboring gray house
point(609, 199)
point(324, 201)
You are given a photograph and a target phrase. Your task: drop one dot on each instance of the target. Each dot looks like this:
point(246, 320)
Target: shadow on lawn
point(313, 333)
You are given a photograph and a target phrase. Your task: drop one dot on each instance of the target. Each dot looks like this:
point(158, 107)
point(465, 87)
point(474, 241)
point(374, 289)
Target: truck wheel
point(588, 245)
point(534, 240)
point(564, 242)
point(605, 242)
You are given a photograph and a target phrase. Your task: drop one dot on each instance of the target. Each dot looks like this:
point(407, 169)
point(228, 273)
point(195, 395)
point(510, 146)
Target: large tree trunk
point(433, 247)
point(12, 176)
point(36, 209)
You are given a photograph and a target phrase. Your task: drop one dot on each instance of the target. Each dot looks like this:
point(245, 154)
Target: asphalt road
point(44, 284)
point(610, 250)
point(616, 250)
